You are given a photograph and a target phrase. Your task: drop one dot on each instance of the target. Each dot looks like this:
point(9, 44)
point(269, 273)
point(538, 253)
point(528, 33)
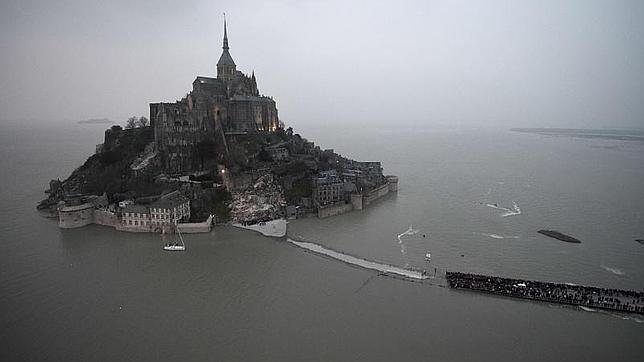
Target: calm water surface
point(98, 294)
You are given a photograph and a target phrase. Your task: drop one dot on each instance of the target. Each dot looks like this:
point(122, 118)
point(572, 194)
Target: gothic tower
point(226, 66)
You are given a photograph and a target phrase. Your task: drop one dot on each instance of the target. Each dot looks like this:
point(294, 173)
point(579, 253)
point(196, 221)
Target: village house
point(328, 188)
point(135, 218)
point(170, 209)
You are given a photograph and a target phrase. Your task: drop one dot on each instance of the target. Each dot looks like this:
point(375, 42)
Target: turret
point(254, 84)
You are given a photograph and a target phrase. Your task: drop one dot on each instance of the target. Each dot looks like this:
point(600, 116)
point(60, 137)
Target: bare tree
point(131, 123)
point(143, 122)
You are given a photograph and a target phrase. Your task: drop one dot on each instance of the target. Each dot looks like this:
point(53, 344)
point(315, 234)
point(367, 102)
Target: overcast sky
point(508, 63)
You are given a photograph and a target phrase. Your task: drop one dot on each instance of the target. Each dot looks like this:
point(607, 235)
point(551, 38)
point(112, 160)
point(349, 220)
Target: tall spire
point(226, 65)
point(225, 34)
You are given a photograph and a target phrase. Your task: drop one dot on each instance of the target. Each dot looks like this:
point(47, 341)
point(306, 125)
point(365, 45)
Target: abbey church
point(226, 105)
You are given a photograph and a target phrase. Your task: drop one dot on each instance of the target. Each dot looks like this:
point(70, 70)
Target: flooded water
point(476, 199)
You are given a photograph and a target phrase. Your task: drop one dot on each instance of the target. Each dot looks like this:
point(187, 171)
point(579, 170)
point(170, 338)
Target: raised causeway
point(625, 301)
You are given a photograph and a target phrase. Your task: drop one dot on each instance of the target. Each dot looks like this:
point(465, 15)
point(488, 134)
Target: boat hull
point(174, 248)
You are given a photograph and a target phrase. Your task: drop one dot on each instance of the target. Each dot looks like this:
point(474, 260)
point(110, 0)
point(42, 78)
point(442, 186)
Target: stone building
point(228, 104)
point(135, 218)
point(367, 175)
point(170, 209)
point(328, 188)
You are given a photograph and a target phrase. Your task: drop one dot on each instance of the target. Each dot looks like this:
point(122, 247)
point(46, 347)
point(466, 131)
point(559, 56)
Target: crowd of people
point(613, 299)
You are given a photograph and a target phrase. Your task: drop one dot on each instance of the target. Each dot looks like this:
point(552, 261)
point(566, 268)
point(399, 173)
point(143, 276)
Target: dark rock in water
point(559, 236)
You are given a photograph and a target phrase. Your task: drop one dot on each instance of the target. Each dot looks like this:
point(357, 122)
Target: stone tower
point(226, 66)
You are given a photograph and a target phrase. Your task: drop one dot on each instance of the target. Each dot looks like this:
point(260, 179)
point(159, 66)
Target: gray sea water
point(98, 294)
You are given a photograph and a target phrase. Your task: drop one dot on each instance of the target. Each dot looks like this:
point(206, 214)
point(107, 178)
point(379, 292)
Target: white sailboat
point(177, 244)
point(428, 257)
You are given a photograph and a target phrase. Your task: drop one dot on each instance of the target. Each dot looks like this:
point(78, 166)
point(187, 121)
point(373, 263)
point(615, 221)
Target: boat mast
point(176, 226)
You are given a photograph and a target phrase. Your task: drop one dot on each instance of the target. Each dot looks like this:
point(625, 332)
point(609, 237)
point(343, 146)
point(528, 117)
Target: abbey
point(226, 105)
point(219, 152)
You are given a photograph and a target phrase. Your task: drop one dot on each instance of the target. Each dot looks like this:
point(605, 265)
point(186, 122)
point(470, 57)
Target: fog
point(439, 63)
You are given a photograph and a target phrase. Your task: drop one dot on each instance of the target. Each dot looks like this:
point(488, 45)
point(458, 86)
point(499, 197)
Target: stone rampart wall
point(335, 209)
point(106, 218)
point(375, 194)
point(134, 229)
point(393, 182)
point(196, 227)
point(76, 218)
point(356, 201)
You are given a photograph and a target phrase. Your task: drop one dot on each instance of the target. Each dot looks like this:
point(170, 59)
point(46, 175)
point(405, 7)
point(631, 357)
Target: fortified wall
point(105, 218)
point(196, 227)
point(70, 217)
point(80, 211)
point(359, 201)
point(375, 194)
point(334, 209)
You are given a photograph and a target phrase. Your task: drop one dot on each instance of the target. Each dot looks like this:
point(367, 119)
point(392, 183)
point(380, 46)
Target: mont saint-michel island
point(331, 180)
point(220, 154)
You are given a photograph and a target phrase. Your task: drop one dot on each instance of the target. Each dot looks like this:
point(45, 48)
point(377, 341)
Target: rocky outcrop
point(109, 171)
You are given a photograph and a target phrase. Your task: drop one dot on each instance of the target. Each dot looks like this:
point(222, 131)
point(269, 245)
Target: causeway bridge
point(618, 300)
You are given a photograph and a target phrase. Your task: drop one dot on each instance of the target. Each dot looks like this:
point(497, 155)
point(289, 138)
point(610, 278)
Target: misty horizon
point(578, 64)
